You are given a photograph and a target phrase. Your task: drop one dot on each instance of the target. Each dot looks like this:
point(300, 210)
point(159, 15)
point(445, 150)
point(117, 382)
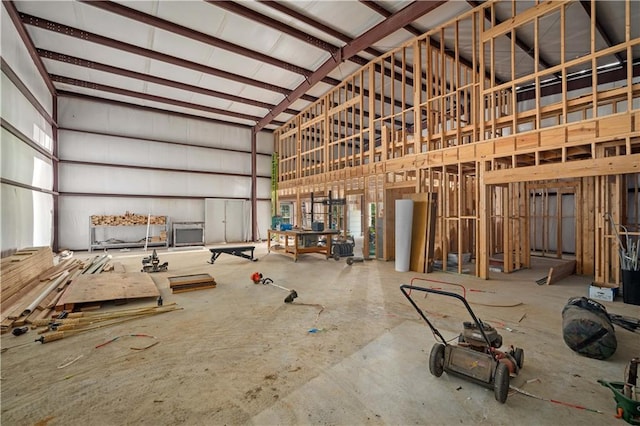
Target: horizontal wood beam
point(572, 169)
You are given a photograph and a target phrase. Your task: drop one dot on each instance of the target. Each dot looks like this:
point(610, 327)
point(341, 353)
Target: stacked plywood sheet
point(92, 289)
point(38, 297)
point(191, 283)
point(18, 272)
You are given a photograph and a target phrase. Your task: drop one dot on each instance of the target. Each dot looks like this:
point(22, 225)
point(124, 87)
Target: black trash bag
point(587, 329)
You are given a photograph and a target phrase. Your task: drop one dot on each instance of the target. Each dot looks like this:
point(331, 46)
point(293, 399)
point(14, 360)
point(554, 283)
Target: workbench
point(295, 242)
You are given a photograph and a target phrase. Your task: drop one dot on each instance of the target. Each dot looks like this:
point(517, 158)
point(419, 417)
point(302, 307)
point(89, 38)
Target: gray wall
point(26, 200)
point(115, 158)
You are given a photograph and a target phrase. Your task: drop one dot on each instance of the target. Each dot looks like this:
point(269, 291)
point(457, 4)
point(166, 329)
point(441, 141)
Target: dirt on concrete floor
point(237, 354)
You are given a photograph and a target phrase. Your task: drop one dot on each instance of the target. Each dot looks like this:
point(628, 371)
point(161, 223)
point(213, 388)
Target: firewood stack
point(128, 219)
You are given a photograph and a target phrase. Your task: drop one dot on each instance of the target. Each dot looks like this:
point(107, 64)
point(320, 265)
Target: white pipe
point(44, 294)
point(95, 269)
point(146, 240)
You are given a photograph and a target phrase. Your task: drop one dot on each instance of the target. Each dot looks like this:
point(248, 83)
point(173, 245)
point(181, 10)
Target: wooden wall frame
point(479, 142)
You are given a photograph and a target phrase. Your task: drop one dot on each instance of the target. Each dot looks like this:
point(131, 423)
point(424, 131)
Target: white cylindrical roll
point(404, 220)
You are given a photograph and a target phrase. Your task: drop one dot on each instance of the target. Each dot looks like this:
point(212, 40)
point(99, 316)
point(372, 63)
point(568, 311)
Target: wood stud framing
point(454, 128)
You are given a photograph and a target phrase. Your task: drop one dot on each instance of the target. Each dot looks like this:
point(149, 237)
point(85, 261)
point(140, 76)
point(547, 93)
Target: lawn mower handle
point(403, 289)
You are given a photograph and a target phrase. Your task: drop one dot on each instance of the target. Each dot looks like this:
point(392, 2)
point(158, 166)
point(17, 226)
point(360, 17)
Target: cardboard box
point(606, 292)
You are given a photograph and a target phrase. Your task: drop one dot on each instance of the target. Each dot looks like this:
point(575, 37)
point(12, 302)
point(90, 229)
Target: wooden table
point(293, 243)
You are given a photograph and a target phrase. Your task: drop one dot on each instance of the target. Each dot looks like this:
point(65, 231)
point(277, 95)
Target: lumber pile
point(19, 270)
point(26, 300)
point(38, 297)
point(79, 322)
point(127, 219)
point(91, 290)
point(194, 282)
point(558, 272)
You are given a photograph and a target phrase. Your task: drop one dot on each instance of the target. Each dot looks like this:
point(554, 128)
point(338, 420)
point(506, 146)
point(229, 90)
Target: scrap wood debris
point(56, 330)
point(31, 284)
point(131, 335)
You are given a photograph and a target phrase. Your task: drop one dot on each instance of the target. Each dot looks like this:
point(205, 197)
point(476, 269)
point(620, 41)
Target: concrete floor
point(237, 354)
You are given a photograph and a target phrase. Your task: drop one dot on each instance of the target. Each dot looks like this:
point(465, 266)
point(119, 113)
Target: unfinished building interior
point(522, 130)
point(243, 168)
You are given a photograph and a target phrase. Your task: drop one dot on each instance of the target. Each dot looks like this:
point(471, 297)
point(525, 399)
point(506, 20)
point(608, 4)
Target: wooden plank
point(466, 153)
point(552, 137)
point(521, 18)
point(484, 149)
point(583, 168)
point(190, 279)
point(527, 141)
point(560, 272)
point(581, 132)
point(418, 231)
point(91, 288)
point(187, 288)
point(505, 145)
point(614, 126)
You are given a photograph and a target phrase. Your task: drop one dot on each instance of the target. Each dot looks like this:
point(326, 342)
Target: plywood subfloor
point(94, 288)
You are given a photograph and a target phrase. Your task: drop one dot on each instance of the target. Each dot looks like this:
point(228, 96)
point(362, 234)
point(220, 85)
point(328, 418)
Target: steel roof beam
point(247, 13)
point(337, 34)
point(435, 44)
point(13, 13)
point(165, 25)
point(384, 12)
point(149, 97)
point(68, 59)
point(586, 5)
point(313, 23)
point(93, 98)
point(383, 29)
point(151, 54)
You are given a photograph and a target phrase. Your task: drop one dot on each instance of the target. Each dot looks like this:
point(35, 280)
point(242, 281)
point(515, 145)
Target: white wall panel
point(82, 146)
point(114, 134)
point(25, 217)
point(117, 180)
point(74, 213)
point(18, 111)
point(263, 165)
point(263, 188)
point(264, 219)
point(15, 53)
point(93, 116)
point(21, 163)
point(264, 142)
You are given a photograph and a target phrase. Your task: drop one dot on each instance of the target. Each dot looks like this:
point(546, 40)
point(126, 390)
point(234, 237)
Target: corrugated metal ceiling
point(238, 62)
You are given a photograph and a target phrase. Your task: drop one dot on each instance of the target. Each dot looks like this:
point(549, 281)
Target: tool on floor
point(18, 331)
point(257, 278)
point(476, 356)
point(152, 264)
point(353, 259)
point(554, 401)
point(342, 248)
point(626, 394)
point(3, 350)
point(587, 328)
